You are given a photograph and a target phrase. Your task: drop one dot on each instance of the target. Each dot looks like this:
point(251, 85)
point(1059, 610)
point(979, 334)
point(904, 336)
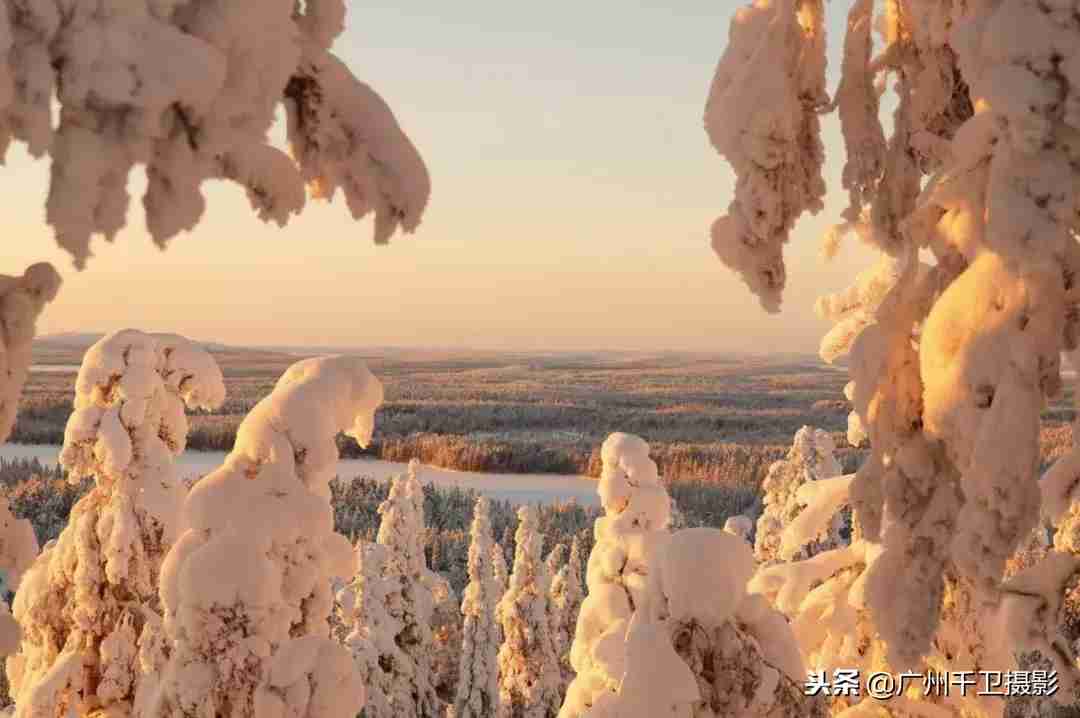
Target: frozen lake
point(518, 488)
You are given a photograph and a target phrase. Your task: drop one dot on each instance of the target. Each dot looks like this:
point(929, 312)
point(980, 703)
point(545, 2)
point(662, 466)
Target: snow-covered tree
point(809, 459)
point(246, 590)
point(478, 684)
point(952, 360)
point(668, 627)
point(410, 601)
point(501, 575)
point(446, 627)
point(567, 593)
point(21, 302)
point(637, 511)
point(701, 645)
point(499, 569)
point(529, 673)
point(365, 612)
point(83, 603)
point(555, 560)
point(122, 103)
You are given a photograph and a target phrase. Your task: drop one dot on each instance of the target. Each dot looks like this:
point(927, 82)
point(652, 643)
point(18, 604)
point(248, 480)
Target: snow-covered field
point(519, 488)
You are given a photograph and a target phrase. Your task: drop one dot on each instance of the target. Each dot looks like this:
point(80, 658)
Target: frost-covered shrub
point(478, 685)
point(810, 459)
point(529, 673)
point(84, 602)
point(122, 102)
point(246, 590)
point(21, 301)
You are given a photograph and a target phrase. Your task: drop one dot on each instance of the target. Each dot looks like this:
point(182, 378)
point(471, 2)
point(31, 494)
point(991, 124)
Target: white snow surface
point(517, 488)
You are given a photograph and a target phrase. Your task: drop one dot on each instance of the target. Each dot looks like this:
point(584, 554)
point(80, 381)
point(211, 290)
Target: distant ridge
point(83, 340)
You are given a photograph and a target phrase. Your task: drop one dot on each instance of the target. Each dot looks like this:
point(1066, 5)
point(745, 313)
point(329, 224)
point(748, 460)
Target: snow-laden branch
point(190, 90)
point(762, 116)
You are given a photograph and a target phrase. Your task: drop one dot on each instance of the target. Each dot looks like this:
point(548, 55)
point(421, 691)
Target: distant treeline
point(43, 495)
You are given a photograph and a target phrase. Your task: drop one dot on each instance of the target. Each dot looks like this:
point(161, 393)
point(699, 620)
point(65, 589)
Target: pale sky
point(573, 191)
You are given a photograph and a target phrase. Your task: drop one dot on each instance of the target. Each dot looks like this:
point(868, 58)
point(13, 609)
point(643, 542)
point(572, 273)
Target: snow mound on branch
point(21, 302)
point(247, 587)
point(124, 101)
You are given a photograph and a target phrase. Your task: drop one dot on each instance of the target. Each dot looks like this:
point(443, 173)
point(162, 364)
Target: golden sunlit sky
point(573, 191)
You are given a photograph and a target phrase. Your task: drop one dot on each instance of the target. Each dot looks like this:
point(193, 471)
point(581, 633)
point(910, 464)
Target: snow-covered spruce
point(21, 301)
point(478, 682)
point(529, 675)
point(84, 602)
point(809, 459)
point(246, 590)
point(122, 103)
point(701, 645)
point(371, 629)
point(667, 627)
point(762, 116)
point(404, 685)
point(446, 626)
point(567, 594)
point(500, 573)
point(637, 511)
